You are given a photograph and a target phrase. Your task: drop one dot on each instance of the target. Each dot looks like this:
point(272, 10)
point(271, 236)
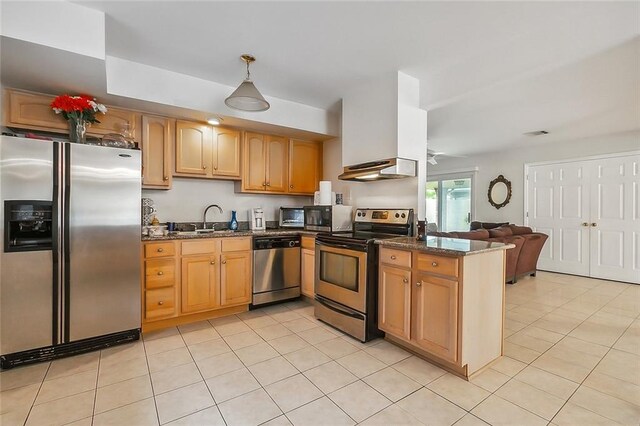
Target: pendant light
point(246, 97)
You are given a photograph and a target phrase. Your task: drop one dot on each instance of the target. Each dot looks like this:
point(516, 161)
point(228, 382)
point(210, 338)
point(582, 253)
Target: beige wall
point(511, 165)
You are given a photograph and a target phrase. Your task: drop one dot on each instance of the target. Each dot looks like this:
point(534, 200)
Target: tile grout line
point(33, 404)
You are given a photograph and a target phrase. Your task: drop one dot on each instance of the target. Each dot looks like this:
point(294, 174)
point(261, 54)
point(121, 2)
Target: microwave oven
point(291, 217)
point(336, 218)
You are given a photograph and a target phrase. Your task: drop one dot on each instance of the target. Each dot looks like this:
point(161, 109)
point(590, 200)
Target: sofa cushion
point(478, 234)
point(503, 231)
point(520, 230)
point(486, 225)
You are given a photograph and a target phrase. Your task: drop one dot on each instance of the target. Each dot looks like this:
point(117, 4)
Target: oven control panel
point(394, 216)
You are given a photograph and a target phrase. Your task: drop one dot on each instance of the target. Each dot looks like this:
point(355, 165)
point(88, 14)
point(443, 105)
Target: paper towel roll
point(325, 193)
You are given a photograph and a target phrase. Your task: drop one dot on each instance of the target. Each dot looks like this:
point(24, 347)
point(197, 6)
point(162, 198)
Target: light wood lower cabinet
point(235, 273)
point(308, 265)
point(435, 310)
point(200, 283)
point(183, 279)
point(394, 311)
point(448, 309)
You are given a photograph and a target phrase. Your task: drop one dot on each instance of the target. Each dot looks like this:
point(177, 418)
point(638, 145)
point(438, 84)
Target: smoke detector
point(536, 133)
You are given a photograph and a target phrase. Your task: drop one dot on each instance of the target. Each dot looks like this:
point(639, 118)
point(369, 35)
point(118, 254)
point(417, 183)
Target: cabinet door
point(277, 164)
point(32, 111)
point(305, 166)
point(394, 301)
point(193, 148)
point(116, 120)
point(308, 272)
point(254, 172)
point(199, 283)
point(157, 137)
point(435, 321)
point(235, 278)
point(226, 152)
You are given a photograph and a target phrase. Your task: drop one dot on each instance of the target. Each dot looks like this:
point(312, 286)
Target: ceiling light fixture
point(246, 97)
point(215, 121)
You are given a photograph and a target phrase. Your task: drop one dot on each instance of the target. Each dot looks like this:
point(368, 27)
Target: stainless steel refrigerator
point(70, 262)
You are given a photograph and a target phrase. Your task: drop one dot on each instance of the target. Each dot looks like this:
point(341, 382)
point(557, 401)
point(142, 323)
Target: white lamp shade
point(247, 98)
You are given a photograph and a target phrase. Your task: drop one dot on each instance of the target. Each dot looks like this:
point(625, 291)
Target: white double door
point(591, 211)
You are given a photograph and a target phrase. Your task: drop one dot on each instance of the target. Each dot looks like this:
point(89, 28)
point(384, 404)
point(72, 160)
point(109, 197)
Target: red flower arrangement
point(79, 108)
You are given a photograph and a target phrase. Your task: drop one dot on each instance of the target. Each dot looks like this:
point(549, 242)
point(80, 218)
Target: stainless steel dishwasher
point(276, 269)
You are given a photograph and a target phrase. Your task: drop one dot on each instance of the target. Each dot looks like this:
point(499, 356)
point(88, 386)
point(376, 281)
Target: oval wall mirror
point(499, 192)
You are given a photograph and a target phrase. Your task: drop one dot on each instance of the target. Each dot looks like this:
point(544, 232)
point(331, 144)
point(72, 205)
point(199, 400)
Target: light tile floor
point(572, 349)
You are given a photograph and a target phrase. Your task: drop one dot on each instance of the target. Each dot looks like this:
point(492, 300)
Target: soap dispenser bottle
point(233, 225)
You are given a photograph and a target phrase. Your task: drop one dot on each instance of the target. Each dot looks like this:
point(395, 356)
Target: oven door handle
point(343, 310)
point(344, 246)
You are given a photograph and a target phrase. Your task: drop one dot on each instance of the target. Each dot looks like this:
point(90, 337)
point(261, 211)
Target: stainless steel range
point(346, 283)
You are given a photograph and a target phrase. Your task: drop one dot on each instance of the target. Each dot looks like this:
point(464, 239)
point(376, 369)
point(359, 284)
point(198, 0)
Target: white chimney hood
point(382, 122)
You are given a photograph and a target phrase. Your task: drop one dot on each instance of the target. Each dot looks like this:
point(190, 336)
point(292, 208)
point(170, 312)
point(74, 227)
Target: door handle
point(594, 224)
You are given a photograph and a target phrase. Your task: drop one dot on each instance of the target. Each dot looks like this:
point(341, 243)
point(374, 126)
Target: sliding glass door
point(450, 202)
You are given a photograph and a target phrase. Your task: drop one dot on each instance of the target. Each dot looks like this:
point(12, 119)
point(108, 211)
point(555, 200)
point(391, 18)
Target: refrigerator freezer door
point(26, 278)
point(103, 289)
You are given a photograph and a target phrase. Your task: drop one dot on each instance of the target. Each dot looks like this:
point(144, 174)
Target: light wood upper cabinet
point(305, 166)
point(235, 278)
point(193, 148)
point(226, 152)
point(26, 110)
point(435, 322)
point(277, 154)
point(265, 164)
point(200, 285)
point(394, 301)
point(157, 140)
point(255, 162)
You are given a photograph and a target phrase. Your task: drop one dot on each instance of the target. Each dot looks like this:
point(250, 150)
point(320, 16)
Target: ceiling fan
point(431, 156)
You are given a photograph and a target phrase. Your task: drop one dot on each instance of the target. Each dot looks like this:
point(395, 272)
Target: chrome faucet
point(204, 217)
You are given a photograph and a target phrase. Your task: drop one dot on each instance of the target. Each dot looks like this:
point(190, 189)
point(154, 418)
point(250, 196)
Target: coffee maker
point(256, 219)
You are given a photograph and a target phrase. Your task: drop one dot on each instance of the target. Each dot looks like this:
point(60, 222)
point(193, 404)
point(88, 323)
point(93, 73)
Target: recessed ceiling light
point(536, 133)
point(215, 121)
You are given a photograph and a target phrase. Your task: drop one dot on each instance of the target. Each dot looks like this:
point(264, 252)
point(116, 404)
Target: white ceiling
point(488, 71)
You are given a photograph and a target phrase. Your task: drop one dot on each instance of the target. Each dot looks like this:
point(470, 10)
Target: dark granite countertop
point(445, 246)
point(227, 233)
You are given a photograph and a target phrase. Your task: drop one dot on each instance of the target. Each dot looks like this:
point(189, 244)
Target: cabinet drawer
point(160, 273)
point(236, 244)
point(438, 264)
point(199, 247)
point(395, 257)
point(160, 303)
point(308, 242)
point(159, 249)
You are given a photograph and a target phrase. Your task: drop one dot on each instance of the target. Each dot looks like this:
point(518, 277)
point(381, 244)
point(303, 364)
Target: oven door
point(341, 274)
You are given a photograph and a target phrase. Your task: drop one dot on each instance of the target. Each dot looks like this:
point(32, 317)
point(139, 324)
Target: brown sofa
point(522, 259)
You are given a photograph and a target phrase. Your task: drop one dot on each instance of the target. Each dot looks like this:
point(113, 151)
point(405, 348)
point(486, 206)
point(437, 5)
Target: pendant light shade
point(246, 97)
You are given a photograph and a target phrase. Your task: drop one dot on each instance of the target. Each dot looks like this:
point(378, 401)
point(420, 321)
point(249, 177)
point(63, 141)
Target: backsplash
point(188, 198)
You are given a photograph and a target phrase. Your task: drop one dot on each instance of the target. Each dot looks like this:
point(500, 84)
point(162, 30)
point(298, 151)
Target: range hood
point(392, 168)
point(384, 131)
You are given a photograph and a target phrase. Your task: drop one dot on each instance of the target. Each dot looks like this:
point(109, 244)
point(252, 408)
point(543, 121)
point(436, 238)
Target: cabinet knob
point(204, 167)
point(393, 257)
point(160, 273)
point(594, 224)
point(405, 280)
point(419, 284)
point(215, 168)
point(268, 184)
point(224, 261)
point(291, 186)
point(213, 262)
point(434, 263)
point(165, 178)
point(585, 223)
point(160, 250)
point(264, 183)
point(161, 303)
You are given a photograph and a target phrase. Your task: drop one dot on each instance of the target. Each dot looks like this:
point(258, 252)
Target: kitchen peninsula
point(443, 299)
